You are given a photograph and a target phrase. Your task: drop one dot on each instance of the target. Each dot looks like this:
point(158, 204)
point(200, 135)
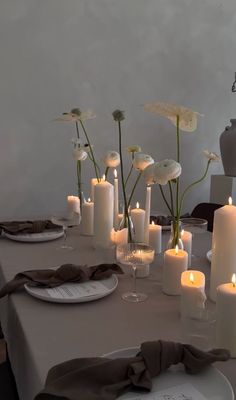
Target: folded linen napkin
point(105, 379)
point(56, 277)
point(37, 226)
point(165, 220)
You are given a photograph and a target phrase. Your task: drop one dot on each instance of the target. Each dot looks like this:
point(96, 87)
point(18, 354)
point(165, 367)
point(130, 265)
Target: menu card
point(180, 392)
point(77, 290)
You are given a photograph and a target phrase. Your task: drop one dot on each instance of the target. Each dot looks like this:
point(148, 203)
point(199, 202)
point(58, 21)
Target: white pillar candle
point(119, 237)
point(175, 262)
point(155, 233)
point(120, 217)
point(73, 205)
point(87, 218)
point(103, 213)
point(116, 200)
point(147, 214)
point(223, 247)
point(187, 242)
point(94, 182)
point(137, 216)
point(193, 295)
point(226, 317)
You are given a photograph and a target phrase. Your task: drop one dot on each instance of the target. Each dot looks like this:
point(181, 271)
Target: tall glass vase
point(127, 223)
point(175, 235)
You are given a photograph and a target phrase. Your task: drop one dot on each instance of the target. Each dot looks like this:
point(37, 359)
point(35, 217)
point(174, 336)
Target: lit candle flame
point(104, 177)
point(115, 173)
point(233, 280)
point(230, 201)
point(153, 223)
point(89, 200)
point(176, 249)
point(191, 277)
point(137, 204)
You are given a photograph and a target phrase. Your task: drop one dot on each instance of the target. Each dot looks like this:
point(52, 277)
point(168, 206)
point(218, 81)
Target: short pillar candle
point(155, 234)
point(73, 205)
point(193, 295)
point(175, 262)
point(226, 316)
point(87, 218)
point(138, 216)
point(187, 243)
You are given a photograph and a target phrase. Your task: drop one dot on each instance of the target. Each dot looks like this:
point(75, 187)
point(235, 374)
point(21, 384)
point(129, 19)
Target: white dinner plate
point(209, 255)
point(75, 292)
point(211, 383)
point(36, 237)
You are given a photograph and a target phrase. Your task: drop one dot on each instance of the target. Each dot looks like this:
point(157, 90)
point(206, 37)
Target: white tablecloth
point(40, 335)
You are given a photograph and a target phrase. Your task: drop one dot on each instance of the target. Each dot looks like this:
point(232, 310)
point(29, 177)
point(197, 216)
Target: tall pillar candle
point(87, 218)
point(193, 295)
point(94, 182)
point(147, 214)
point(138, 216)
point(226, 317)
point(155, 234)
point(103, 213)
point(175, 262)
point(187, 242)
point(73, 205)
point(223, 247)
point(116, 200)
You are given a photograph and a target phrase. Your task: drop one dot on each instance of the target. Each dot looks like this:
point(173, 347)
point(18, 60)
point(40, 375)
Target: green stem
point(106, 172)
point(171, 197)
point(178, 160)
point(77, 130)
point(193, 184)
point(79, 174)
point(91, 152)
point(128, 176)
point(134, 187)
point(165, 200)
point(126, 212)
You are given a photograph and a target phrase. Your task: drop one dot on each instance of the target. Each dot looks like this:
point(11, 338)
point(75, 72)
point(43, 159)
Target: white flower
point(187, 117)
point(112, 159)
point(134, 149)
point(211, 156)
point(76, 115)
point(141, 161)
point(79, 154)
point(162, 172)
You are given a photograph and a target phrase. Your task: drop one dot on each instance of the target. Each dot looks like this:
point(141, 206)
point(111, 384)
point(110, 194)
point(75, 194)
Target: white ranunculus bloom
point(112, 159)
point(187, 117)
point(79, 154)
point(162, 172)
point(211, 156)
point(141, 161)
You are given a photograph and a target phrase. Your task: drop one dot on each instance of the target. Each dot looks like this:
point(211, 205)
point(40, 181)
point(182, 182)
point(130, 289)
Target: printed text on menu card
point(181, 392)
point(84, 289)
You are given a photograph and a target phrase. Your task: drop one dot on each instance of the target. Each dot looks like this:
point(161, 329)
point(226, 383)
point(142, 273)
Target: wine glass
point(135, 255)
point(195, 226)
point(72, 219)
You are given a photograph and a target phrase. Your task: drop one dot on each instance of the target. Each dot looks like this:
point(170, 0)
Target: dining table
point(41, 334)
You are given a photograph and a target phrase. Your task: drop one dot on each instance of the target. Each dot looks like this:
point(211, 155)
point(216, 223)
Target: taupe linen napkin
point(105, 379)
point(55, 277)
point(38, 226)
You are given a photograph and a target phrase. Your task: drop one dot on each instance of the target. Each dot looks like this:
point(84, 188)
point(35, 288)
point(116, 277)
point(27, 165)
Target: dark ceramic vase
point(228, 149)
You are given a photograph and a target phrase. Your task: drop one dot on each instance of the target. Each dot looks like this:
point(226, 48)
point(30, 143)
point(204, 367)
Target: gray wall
point(104, 54)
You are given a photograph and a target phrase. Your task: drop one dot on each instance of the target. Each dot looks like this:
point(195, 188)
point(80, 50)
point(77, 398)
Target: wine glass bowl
point(66, 222)
point(135, 255)
point(194, 225)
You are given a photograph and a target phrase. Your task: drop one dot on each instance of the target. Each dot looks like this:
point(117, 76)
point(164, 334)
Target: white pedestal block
point(222, 187)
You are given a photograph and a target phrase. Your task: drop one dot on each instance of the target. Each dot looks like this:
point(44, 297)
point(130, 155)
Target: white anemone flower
point(211, 156)
point(162, 172)
point(76, 115)
point(112, 159)
point(79, 154)
point(187, 117)
point(141, 161)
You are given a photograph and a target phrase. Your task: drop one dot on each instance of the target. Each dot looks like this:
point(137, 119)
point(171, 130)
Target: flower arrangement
point(169, 171)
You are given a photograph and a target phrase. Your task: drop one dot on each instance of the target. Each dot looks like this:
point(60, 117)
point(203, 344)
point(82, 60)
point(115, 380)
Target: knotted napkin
point(38, 226)
point(56, 277)
point(106, 379)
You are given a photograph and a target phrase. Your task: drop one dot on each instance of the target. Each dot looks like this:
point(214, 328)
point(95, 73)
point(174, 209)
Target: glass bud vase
point(175, 236)
point(125, 223)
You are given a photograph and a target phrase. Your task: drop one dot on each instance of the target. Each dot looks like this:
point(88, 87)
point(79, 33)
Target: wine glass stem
point(65, 235)
point(135, 276)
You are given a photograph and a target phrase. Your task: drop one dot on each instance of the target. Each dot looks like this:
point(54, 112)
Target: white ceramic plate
point(209, 255)
point(36, 237)
point(211, 383)
point(71, 292)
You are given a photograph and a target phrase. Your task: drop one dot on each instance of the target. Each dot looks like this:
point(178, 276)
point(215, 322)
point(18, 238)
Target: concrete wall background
point(107, 54)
